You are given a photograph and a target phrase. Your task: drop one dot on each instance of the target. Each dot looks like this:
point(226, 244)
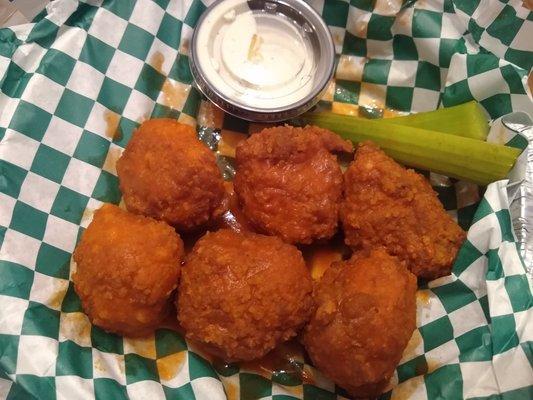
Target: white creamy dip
point(257, 59)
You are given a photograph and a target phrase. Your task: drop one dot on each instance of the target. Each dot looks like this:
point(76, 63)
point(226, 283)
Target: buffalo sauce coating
point(288, 357)
point(233, 218)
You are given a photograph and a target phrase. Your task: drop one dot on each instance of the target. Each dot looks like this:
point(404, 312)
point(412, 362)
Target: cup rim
point(326, 44)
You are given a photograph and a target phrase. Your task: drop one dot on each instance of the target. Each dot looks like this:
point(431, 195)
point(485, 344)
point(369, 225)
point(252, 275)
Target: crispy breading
point(288, 182)
point(241, 294)
point(388, 205)
point(127, 267)
point(365, 316)
point(166, 173)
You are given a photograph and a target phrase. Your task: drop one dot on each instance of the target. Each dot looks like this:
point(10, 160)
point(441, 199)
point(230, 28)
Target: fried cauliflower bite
point(241, 294)
point(166, 173)
point(388, 205)
point(365, 316)
point(289, 184)
point(127, 267)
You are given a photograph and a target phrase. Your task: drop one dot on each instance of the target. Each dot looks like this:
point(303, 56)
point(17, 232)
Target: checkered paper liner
point(83, 71)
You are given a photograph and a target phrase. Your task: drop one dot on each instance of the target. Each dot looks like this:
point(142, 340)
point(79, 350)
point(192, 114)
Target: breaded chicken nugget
point(365, 316)
point(241, 294)
point(127, 267)
point(288, 182)
point(166, 173)
point(388, 205)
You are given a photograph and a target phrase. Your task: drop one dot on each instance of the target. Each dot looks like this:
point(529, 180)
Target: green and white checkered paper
point(80, 65)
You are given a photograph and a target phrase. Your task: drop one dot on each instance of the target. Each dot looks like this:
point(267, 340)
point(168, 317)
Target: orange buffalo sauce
point(234, 217)
point(229, 141)
point(320, 258)
point(286, 359)
point(232, 391)
point(169, 366)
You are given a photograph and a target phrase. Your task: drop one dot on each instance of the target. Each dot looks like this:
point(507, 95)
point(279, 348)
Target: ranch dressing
point(256, 58)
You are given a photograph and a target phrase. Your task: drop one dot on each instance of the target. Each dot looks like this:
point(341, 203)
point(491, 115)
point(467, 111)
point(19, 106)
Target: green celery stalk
point(455, 156)
point(466, 120)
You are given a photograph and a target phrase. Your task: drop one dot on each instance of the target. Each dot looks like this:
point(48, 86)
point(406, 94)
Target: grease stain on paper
point(387, 7)
point(142, 346)
point(112, 121)
point(232, 391)
point(350, 68)
point(210, 115)
point(56, 291)
point(423, 298)
point(76, 327)
point(228, 142)
point(110, 163)
point(411, 350)
point(157, 61)
point(170, 366)
point(407, 389)
point(174, 94)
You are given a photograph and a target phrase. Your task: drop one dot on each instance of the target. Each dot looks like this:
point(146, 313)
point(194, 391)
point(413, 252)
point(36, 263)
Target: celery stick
point(451, 155)
point(466, 120)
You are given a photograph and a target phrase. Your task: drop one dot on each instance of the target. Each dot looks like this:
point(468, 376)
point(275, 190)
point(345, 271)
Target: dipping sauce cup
point(263, 61)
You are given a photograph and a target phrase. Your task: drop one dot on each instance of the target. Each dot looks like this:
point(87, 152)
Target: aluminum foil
point(521, 192)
